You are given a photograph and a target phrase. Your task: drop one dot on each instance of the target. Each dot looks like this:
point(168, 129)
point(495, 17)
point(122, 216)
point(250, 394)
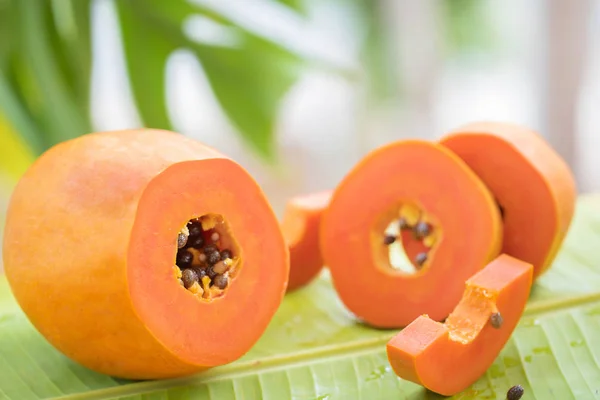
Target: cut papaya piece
point(422, 188)
point(534, 187)
point(300, 226)
point(446, 358)
point(140, 254)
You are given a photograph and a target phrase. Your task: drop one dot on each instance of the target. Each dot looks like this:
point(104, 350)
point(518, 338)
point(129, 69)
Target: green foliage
point(42, 69)
point(248, 78)
point(45, 68)
point(467, 27)
point(314, 349)
point(46, 60)
point(297, 5)
point(380, 70)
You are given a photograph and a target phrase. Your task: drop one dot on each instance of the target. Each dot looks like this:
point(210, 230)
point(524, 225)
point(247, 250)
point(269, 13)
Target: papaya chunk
point(140, 254)
point(411, 186)
point(300, 226)
point(448, 357)
point(533, 185)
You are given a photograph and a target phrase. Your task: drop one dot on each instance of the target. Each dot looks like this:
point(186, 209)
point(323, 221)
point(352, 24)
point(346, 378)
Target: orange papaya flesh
point(464, 220)
point(300, 227)
point(531, 182)
point(90, 249)
point(447, 358)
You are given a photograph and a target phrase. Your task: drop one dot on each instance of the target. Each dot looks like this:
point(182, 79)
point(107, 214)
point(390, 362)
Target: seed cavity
point(496, 320)
point(421, 230)
point(197, 242)
point(420, 259)
point(411, 213)
point(410, 237)
point(203, 266)
point(225, 254)
point(213, 258)
point(209, 248)
point(189, 277)
point(210, 271)
point(201, 272)
point(182, 237)
point(222, 266)
point(431, 239)
point(515, 393)
point(194, 228)
point(221, 281)
point(403, 224)
point(196, 289)
point(401, 234)
point(184, 258)
point(389, 239)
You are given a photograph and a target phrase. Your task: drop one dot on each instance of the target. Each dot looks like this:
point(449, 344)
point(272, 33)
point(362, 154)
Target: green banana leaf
point(314, 349)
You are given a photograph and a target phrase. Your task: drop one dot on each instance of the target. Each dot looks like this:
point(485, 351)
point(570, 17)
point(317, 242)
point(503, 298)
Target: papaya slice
point(416, 186)
point(300, 227)
point(533, 186)
point(446, 358)
point(140, 254)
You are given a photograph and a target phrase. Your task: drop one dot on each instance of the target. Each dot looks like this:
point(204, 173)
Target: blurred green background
point(297, 91)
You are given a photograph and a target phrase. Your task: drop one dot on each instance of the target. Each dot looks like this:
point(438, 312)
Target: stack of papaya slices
point(489, 204)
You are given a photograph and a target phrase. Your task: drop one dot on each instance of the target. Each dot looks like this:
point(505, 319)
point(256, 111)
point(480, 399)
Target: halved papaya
point(418, 187)
point(300, 226)
point(446, 358)
point(140, 254)
point(533, 185)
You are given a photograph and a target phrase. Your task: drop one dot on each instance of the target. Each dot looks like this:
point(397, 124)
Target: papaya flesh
point(300, 227)
point(531, 182)
point(446, 358)
point(90, 248)
point(435, 186)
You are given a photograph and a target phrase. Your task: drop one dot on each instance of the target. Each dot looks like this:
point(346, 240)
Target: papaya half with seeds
point(533, 185)
point(448, 357)
point(415, 187)
point(300, 226)
point(141, 253)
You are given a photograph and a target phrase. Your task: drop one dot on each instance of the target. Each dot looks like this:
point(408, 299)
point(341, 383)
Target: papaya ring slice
point(532, 184)
point(459, 206)
point(447, 358)
point(90, 244)
point(192, 188)
point(300, 226)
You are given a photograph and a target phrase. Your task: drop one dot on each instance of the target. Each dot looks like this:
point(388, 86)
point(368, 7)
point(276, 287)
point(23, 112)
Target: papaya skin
point(447, 358)
point(367, 199)
point(90, 244)
point(300, 227)
point(530, 181)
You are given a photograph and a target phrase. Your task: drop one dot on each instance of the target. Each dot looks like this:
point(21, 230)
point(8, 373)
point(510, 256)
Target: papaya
point(416, 187)
point(141, 253)
point(532, 184)
point(300, 227)
point(448, 357)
